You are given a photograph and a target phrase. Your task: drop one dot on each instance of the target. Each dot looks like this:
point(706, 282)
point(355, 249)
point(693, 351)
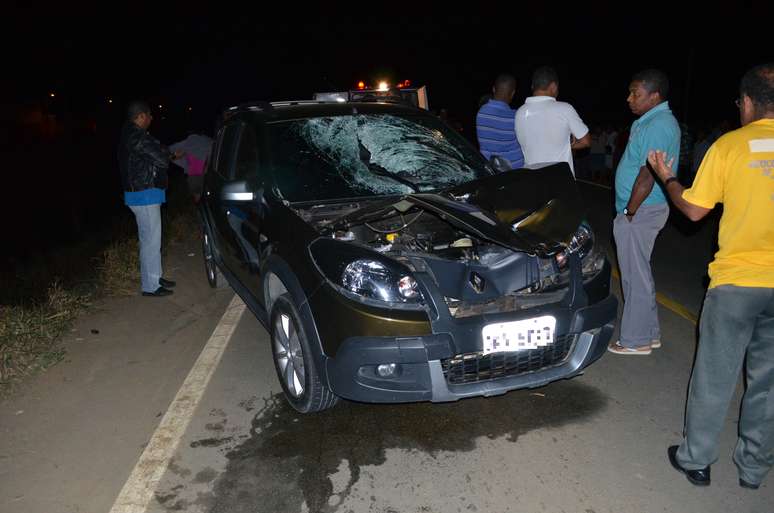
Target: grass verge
point(28, 334)
point(30, 328)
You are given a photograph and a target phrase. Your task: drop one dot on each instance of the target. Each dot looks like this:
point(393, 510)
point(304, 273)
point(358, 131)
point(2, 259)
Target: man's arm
point(583, 142)
point(675, 188)
point(642, 187)
point(153, 150)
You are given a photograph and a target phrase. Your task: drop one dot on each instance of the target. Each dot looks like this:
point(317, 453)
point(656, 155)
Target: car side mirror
point(237, 191)
point(499, 164)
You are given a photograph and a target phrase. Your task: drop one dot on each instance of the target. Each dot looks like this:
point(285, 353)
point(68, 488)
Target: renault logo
point(477, 282)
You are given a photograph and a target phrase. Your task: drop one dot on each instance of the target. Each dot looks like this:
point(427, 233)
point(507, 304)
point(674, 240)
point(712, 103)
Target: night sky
point(212, 60)
point(209, 62)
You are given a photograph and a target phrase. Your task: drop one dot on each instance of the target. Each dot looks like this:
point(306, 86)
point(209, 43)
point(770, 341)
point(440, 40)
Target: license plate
point(519, 335)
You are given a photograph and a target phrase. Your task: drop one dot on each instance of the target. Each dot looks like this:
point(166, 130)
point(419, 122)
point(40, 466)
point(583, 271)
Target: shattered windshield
point(369, 155)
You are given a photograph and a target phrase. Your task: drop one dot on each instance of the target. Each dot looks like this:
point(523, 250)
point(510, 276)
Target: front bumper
point(424, 361)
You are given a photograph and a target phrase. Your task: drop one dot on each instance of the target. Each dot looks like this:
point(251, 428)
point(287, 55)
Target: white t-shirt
point(543, 128)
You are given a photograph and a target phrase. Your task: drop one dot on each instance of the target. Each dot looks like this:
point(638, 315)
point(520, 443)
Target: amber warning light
point(361, 85)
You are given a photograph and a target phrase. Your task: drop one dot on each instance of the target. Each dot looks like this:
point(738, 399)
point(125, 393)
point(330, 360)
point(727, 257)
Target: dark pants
point(735, 321)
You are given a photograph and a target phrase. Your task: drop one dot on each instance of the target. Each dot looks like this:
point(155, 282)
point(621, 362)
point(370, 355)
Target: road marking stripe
point(141, 485)
point(670, 304)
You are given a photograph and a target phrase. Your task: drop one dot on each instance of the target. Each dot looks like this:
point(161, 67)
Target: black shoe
point(159, 292)
point(166, 283)
point(699, 477)
point(745, 484)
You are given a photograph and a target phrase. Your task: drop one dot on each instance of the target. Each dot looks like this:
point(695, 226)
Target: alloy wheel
point(289, 354)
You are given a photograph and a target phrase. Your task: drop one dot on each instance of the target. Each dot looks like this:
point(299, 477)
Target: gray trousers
point(634, 243)
point(734, 321)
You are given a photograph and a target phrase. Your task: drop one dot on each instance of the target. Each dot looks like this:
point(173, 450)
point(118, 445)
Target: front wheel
point(294, 361)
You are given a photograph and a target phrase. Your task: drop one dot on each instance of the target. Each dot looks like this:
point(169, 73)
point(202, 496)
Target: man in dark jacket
point(143, 163)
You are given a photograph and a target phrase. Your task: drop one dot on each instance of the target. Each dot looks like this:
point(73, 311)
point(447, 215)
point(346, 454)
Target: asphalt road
point(593, 444)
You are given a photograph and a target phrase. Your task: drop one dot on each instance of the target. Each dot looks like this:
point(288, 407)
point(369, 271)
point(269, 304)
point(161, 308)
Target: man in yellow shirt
point(738, 314)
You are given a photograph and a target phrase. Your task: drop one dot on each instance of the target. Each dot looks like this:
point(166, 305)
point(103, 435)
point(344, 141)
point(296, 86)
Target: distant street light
point(52, 95)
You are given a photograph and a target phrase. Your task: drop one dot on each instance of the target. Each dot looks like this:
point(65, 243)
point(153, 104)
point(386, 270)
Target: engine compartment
point(421, 233)
point(461, 265)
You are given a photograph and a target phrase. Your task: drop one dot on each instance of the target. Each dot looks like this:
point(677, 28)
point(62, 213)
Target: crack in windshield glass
point(368, 155)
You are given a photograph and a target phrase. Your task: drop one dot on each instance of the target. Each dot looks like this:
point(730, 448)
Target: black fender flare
point(277, 266)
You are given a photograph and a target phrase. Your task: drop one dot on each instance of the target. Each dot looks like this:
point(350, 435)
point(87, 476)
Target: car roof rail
point(247, 106)
point(286, 103)
point(256, 105)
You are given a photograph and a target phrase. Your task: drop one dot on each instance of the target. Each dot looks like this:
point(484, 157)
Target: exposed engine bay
point(416, 232)
point(474, 274)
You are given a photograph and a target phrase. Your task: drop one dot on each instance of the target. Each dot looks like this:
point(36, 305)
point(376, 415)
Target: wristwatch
point(627, 212)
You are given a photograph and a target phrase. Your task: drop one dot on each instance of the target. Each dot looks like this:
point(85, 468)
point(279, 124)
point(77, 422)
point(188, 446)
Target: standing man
point(642, 210)
point(143, 163)
point(738, 313)
point(495, 124)
point(549, 130)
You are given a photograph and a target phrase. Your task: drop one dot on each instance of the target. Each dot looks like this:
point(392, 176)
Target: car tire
point(294, 361)
point(214, 275)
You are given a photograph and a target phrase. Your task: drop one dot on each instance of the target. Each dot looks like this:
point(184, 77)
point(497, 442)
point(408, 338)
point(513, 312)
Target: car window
point(247, 154)
point(226, 142)
point(369, 155)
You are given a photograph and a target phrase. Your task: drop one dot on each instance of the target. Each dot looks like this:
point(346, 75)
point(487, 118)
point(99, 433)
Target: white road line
point(139, 489)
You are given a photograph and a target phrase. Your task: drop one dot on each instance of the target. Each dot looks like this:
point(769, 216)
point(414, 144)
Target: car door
point(219, 199)
point(246, 209)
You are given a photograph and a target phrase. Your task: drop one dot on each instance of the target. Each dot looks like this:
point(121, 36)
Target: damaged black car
point(390, 262)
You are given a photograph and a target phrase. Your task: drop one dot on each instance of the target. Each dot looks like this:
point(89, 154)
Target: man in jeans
point(143, 163)
point(738, 313)
point(642, 210)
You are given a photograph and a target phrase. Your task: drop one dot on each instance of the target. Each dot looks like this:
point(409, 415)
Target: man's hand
point(657, 161)
point(663, 169)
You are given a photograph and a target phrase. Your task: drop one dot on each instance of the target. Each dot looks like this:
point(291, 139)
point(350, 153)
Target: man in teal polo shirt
point(642, 210)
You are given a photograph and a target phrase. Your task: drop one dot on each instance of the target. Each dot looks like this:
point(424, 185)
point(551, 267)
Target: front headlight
point(366, 275)
point(592, 259)
point(374, 280)
point(582, 242)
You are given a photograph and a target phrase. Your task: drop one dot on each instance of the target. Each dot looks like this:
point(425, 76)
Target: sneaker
point(617, 348)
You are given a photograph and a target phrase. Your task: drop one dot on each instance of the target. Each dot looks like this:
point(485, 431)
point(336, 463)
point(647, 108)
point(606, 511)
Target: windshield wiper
point(365, 158)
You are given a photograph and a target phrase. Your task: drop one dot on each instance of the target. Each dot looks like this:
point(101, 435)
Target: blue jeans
point(149, 231)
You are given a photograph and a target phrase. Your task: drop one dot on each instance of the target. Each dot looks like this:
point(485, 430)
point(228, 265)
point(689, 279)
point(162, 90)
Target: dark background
point(61, 178)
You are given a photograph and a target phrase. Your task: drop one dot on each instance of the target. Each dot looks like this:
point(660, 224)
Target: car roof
point(277, 111)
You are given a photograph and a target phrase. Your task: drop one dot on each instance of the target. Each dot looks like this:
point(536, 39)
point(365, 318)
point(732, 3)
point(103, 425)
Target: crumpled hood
point(531, 210)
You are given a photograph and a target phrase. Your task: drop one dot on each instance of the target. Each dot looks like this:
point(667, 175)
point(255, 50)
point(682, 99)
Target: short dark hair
point(654, 81)
point(136, 108)
point(758, 84)
point(543, 77)
point(505, 81)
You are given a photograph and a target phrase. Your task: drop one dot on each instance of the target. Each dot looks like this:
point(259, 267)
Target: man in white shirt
point(548, 130)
